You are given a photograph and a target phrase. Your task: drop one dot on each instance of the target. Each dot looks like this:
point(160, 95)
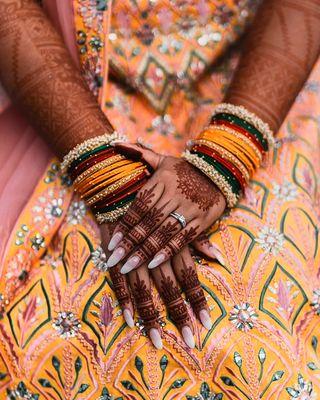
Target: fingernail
point(115, 240)
point(128, 318)
point(130, 265)
point(115, 257)
point(156, 261)
point(216, 254)
point(205, 319)
point(188, 337)
point(156, 338)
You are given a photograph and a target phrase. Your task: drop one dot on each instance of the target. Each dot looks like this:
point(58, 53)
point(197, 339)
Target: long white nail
point(130, 264)
point(156, 261)
point(188, 337)
point(215, 253)
point(205, 319)
point(115, 240)
point(115, 257)
point(156, 338)
point(128, 318)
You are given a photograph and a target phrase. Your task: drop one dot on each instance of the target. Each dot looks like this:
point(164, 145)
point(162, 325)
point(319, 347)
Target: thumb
point(139, 153)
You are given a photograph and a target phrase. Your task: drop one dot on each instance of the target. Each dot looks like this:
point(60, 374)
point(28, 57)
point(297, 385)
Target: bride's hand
point(150, 231)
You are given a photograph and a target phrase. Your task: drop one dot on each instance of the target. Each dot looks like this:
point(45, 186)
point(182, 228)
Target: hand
point(148, 233)
point(169, 277)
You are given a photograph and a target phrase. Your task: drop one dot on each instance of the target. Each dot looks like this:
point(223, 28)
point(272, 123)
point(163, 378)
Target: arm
point(39, 75)
point(280, 50)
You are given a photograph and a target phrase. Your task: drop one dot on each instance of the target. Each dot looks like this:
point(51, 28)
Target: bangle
point(249, 117)
point(90, 144)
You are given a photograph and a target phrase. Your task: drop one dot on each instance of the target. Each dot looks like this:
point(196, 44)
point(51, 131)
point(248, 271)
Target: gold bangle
point(114, 215)
point(227, 155)
point(98, 166)
point(251, 118)
point(214, 175)
point(105, 192)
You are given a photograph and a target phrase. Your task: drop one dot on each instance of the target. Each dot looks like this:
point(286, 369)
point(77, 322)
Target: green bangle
point(87, 155)
point(119, 204)
point(245, 125)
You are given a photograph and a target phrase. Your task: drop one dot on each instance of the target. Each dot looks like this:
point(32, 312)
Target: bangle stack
point(105, 180)
point(230, 149)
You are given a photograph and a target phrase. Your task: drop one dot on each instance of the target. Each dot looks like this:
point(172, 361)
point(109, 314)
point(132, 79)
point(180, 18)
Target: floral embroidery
point(163, 124)
point(303, 390)
point(37, 242)
point(67, 324)
point(287, 191)
point(21, 393)
point(243, 317)
point(76, 212)
point(99, 259)
point(270, 240)
point(205, 394)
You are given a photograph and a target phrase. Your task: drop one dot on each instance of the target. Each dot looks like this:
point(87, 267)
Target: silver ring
point(180, 218)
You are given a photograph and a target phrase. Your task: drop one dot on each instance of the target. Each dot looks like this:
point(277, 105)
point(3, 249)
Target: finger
point(139, 153)
point(151, 246)
point(175, 244)
point(141, 290)
point(203, 246)
point(170, 292)
point(186, 273)
point(149, 223)
point(146, 198)
point(120, 284)
point(122, 292)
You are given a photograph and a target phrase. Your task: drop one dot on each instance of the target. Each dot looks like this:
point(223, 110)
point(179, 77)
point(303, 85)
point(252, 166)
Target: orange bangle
point(109, 182)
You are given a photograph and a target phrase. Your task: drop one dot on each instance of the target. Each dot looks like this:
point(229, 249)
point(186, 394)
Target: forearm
point(40, 77)
point(280, 51)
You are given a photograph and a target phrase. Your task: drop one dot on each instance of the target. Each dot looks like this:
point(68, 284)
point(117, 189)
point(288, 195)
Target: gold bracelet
point(251, 118)
point(214, 175)
point(112, 216)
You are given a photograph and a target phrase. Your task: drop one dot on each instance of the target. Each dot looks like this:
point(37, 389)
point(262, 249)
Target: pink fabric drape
point(23, 154)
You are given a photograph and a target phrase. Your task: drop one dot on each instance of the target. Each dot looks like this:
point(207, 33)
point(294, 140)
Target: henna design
point(138, 209)
point(195, 186)
point(38, 73)
point(191, 286)
point(157, 240)
point(119, 286)
point(143, 229)
point(144, 303)
point(180, 240)
point(277, 58)
point(175, 304)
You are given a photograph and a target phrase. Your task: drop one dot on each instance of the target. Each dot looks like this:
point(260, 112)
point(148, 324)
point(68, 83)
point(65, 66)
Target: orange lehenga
point(264, 292)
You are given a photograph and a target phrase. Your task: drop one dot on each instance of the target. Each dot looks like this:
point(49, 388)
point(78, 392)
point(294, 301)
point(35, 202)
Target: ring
point(180, 218)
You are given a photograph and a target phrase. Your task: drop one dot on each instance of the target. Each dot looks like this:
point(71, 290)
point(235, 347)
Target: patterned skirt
point(62, 334)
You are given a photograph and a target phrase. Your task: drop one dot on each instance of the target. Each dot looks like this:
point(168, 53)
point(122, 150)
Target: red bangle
point(227, 164)
point(91, 161)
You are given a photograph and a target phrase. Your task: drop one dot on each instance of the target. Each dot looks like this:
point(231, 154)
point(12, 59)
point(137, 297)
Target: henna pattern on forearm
point(280, 51)
point(144, 303)
point(38, 73)
point(196, 187)
point(175, 304)
point(191, 286)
